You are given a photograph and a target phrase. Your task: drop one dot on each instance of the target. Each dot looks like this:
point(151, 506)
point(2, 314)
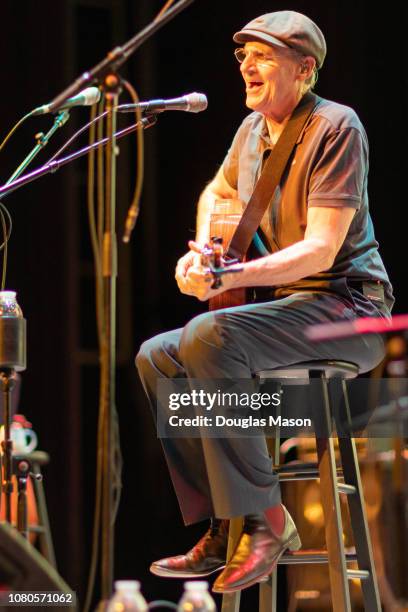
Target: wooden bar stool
point(328, 473)
point(36, 460)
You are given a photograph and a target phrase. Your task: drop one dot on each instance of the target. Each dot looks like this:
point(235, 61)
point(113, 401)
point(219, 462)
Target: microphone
point(191, 103)
point(86, 97)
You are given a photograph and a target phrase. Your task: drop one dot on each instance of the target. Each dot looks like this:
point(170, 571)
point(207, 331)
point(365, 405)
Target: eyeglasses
point(259, 58)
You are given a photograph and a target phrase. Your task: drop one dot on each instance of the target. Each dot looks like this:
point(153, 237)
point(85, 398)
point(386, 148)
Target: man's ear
point(307, 66)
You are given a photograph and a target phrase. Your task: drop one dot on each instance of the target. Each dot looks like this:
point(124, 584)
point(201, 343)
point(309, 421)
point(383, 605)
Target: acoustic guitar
point(223, 222)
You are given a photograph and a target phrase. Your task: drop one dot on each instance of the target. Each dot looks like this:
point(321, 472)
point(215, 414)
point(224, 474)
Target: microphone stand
point(108, 336)
point(105, 73)
point(7, 380)
point(112, 88)
point(117, 56)
point(42, 141)
point(55, 165)
point(7, 375)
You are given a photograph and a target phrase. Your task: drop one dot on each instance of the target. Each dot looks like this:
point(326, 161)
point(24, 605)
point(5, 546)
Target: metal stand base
point(7, 380)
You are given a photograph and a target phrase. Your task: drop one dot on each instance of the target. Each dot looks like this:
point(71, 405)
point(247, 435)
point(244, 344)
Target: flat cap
point(286, 29)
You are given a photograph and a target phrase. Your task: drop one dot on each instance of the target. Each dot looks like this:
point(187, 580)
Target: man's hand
point(194, 279)
point(189, 260)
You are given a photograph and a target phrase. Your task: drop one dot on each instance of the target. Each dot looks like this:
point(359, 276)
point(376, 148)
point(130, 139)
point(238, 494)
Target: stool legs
point(331, 500)
point(361, 534)
point(44, 531)
point(268, 594)
point(330, 496)
point(231, 601)
point(268, 591)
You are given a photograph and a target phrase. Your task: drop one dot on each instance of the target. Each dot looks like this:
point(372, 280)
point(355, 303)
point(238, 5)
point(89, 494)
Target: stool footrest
point(36, 528)
point(358, 574)
point(346, 488)
point(299, 470)
point(311, 556)
point(39, 457)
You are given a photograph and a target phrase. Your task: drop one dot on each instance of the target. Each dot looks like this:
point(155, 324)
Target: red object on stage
point(364, 325)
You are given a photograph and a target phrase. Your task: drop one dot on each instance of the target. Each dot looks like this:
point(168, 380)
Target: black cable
point(133, 210)
point(10, 223)
point(117, 465)
point(5, 219)
point(98, 281)
point(14, 128)
point(4, 228)
point(96, 230)
point(78, 133)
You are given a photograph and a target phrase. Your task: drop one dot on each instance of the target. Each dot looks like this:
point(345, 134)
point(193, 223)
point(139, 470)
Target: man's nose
point(248, 65)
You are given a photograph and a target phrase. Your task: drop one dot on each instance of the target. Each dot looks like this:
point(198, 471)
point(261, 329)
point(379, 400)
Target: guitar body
point(224, 221)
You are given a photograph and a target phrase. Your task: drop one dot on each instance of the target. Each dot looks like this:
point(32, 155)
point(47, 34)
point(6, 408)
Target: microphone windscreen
point(92, 95)
point(197, 102)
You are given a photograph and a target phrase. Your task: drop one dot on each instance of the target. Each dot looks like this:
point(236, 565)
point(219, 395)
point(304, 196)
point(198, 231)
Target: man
point(319, 263)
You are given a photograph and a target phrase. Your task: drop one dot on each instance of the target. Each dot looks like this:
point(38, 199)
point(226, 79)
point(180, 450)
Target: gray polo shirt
point(328, 167)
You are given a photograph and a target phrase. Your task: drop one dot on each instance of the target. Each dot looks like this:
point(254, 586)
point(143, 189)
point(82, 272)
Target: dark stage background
point(44, 45)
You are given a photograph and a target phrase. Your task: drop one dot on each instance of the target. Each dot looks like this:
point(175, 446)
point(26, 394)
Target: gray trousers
point(227, 477)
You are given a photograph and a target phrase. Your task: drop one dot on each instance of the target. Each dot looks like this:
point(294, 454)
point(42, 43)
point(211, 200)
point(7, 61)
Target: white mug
point(24, 439)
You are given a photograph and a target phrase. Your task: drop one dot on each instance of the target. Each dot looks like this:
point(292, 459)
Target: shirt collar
point(263, 132)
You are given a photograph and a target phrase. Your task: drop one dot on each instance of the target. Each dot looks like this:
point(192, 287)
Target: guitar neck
point(223, 225)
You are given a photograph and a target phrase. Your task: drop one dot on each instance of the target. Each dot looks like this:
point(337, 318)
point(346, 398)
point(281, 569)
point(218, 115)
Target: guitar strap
point(270, 177)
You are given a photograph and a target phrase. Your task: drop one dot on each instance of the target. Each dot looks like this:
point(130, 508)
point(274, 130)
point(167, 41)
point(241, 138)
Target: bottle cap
point(127, 585)
point(196, 585)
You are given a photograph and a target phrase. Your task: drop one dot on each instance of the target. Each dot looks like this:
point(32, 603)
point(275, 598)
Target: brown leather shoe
point(257, 553)
point(206, 557)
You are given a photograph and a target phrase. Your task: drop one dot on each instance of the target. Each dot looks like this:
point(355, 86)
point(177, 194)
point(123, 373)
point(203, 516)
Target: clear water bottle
point(127, 597)
point(8, 305)
point(196, 598)
point(12, 333)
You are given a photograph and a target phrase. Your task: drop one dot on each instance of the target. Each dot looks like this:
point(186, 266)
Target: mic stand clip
point(42, 140)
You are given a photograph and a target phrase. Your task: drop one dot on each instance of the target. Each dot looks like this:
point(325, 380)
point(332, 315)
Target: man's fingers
point(183, 285)
point(192, 258)
point(193, 280)
point(199, 275)
point(181, 269)
point(191, 277)
point(194, 246)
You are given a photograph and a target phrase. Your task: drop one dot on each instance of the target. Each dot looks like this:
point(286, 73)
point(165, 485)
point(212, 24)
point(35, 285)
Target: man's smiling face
point(271, 78)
